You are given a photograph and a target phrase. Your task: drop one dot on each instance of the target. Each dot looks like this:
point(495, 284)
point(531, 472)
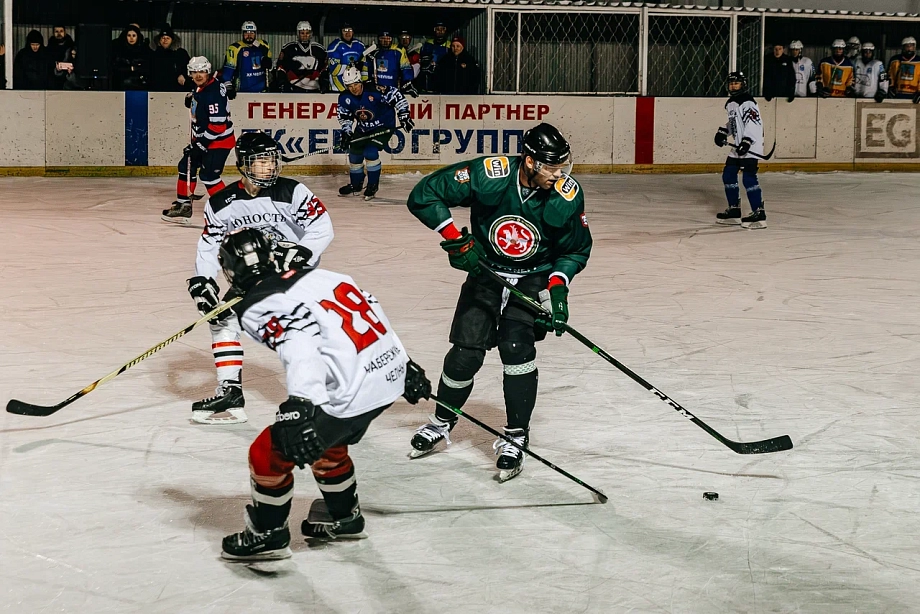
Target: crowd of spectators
point(851, 71)
point(440, 64)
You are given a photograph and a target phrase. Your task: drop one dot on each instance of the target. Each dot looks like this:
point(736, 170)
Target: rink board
point(137, 134)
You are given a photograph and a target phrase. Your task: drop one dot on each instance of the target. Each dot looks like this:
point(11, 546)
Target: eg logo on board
point(887, 131)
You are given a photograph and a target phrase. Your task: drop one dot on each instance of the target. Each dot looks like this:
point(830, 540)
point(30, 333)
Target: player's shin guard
point(460, 367)
point(185, 187)
point(356, 169)
point(373, 171)
point(213, 185)
point(752, 186)
point(519, 384)
point(335, 476)
point(732, 189)
point(272, 483)
point(228, 352)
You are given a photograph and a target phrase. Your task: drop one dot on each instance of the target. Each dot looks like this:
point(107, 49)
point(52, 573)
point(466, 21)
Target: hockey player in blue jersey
point(430, 54)
point(362, 111)
point(389, 65)
point(248, 62)
point(342, 53)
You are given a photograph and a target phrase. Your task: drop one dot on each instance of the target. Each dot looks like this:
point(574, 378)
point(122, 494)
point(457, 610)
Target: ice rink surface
point(809, 328)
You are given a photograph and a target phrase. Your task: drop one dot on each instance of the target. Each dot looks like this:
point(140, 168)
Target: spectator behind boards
point(32, 66)
point(130, 60)
point(779, 75)
point(169, 64)
point(430, 54)
point(458, 72)
point(62, 52)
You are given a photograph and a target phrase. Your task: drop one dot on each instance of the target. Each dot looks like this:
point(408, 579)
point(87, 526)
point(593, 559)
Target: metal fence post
point(490, 49)
point(733, 44)
point(517, 78)
point(643, 51)
point(762, 50)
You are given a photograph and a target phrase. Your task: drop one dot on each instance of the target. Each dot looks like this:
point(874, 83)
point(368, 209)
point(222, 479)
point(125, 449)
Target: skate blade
point(182, 221)
point(368, 198)
point(231, 416)
point(337, 538)
point(268, 555)
point(507, 474)
point(754, 225)
point(419, 453)
point(732, 222)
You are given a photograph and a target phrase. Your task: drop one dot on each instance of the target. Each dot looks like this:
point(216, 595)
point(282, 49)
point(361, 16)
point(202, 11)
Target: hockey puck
point(711, 496)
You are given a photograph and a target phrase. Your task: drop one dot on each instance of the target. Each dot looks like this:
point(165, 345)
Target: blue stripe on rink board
point(135, 128)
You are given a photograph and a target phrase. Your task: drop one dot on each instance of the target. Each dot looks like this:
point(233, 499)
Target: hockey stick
point(360, 139)
point(774, 444)
point(751, 153)
point(27, 409)
point(600, 496)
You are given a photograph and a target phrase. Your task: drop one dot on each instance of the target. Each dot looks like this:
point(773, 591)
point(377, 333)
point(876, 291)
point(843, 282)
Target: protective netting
point(688, 55)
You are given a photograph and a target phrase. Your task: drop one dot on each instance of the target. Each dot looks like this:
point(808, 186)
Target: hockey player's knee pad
point(518, 352)
point(374, 165)
point(227, 329)
point(730, 175)
point(267, 468)
point(371, 153)
point(356, 160)
point(462, 364)
point(333, 463)
point(749, 179)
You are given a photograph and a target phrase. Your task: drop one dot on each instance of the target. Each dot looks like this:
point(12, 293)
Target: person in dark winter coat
point(169, 64)
point(131, 60)
point(457, 72)
point(32, 65)
point(779, 75)
point(62, 52)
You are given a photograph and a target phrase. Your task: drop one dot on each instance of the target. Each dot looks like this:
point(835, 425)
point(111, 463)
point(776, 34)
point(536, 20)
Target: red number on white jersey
point(351, 302)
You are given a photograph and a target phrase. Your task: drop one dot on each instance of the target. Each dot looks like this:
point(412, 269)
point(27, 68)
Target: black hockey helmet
point(258, 158)
point(246, 257)
point(736, 75)
point(545, 144)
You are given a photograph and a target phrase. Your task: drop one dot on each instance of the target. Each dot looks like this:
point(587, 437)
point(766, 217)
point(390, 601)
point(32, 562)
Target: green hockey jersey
point(522, 231)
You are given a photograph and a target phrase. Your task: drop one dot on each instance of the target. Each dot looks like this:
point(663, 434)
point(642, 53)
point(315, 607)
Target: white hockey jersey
point(287, 211)
point(870, 76)
point(744, 121)
point(336, 344)
point(804, 77)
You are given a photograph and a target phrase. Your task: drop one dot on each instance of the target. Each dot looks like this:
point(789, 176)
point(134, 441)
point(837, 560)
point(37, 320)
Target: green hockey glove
point(463, 252)
point(556, 301)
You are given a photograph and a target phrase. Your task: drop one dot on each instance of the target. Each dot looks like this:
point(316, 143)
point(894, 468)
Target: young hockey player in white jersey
point(296, 222)
point(804, 71)
point(344, 365)
point(745, 125)
point(871, 77)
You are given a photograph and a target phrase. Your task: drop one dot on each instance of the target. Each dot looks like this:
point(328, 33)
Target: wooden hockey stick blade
point(15, 406)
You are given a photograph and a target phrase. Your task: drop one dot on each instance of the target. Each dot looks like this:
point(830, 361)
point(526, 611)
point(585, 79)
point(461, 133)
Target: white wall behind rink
point(87, 129)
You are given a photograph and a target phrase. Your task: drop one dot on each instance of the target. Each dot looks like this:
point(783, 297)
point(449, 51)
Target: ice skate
point(178, 213)
point(251, 545)
point(757, 219)
point(510, 458)
point(430, 435)
point(225, 407)
point(729, 217)
point(371, 191)
point(350, 190)
point(320, 525)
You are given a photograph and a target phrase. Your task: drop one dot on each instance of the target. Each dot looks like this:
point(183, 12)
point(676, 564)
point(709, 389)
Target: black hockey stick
point(751, 153)
point(774, 444)
point(600, 496)
point(360, 139)
point(27, 409)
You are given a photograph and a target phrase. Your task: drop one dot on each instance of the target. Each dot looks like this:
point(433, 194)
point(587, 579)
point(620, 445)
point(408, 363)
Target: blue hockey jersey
point(390, 67)
point(249, 65)
point(372, 110)
point(340, 55)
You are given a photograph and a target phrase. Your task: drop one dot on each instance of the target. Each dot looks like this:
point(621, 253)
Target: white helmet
point(249, 26)
point(796, 45)
point(838, 44)
point(868, 46)
point(351, 75)
point(199, 63)
point(910, 40)
point(304, 25)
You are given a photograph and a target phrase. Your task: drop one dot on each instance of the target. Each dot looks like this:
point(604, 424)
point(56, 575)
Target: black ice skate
point(371, 191)
point(179, 213)
point(510, 458)
point(430, 435)
point(320, 525)
point(251, 545)
point(757, 219)
point(731, 216)
point(350, 190)
point(225, 407)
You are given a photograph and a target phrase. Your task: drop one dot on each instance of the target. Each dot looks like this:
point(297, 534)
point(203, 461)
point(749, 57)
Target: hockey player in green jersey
point(528, 224)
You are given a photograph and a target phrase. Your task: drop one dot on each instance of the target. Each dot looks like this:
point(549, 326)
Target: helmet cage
point(254, 167)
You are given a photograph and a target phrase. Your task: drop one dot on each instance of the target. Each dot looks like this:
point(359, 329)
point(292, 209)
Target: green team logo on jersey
point(514, 237)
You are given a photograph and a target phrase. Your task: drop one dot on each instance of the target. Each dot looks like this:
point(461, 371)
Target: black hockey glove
point(721, 137)
point(294, 432)
point(880, 96)
point(850, 92)
point(409, 90)
point(347, 138)
point(291, 256)
point(768, 98)
point(204, 291)
point(195, 151)
point(744, 146)
point(188, 100)
point(406, 123)
point(791, 98)
point(463, 252)
point(417, 385)
point(823, 92)
point(231, 90)
point(917, 98)
point(556, 302)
